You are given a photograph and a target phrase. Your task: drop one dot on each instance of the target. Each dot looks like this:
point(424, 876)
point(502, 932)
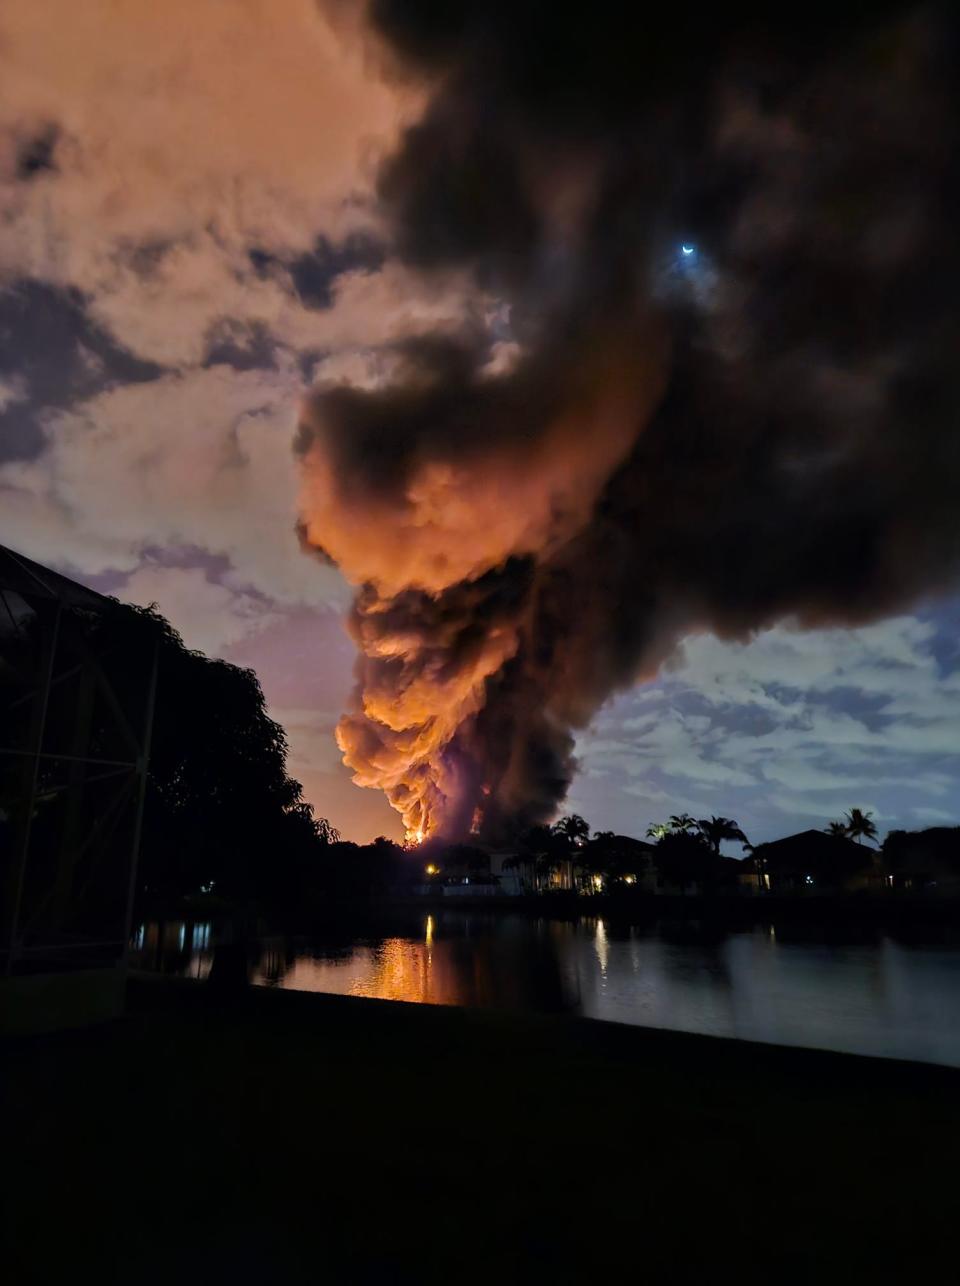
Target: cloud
point(176, 137)
point(178, 181)
point(310, 732)
point(13, 389)
point(169, 176)
point(934, 815)
point(793, 726)
point(194, 459)
point(209, 616)
point(171, 314)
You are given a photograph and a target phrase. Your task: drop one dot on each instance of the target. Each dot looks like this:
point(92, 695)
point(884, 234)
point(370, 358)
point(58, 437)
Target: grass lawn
point(301, 1138)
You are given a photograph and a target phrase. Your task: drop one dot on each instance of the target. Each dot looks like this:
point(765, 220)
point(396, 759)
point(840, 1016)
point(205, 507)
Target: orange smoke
point(429, 642)
point(408, 712)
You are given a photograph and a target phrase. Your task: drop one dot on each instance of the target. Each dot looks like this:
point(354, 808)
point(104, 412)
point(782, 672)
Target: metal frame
point(56, 601)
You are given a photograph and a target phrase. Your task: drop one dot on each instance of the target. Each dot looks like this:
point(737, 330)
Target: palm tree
point(546, 865)
point(657, 830)
point(593, 859)
point(684, 856)
point(717, 829)
point(573, 829)
point(836, 828)
point(540, 851)
point(860, 826)
point(682, 823)
point(607, 856)
point(569, 835)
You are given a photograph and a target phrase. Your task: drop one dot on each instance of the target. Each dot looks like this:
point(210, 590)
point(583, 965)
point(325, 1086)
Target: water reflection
point(182, 947)
point(495, 971)
point(872, 996)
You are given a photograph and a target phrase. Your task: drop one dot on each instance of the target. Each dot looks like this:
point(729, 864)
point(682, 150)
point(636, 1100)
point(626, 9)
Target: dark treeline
point(223, 817)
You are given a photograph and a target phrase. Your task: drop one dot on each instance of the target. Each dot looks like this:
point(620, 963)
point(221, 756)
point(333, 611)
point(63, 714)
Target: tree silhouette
point(657, 830)
point(860, 825)
point(591, 859)
point(573, 829)
point(836, 828)
point(684, 857)
point(221, 810)
point(570, 836)
point(541, 851)
point(717, 829)
point(682, 823)
point(327, 833)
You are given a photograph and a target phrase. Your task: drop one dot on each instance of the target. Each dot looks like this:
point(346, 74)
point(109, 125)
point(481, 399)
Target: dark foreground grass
point(297, 1138)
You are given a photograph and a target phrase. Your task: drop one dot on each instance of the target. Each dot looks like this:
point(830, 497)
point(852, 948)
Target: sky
point(191, 241)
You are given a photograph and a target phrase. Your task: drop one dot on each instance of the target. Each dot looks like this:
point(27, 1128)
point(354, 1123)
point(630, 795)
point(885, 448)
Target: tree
point(657, 830)
point(860, 826)
point(221, 810)
point(571, 834)
point(326, 832)
point(465, 858)
point(546, 865)
point(573, 829)
point(683, 823)
point(715, 830)
point(685, 857)
point(592, 859)
point(836, 828)
point(541, 851)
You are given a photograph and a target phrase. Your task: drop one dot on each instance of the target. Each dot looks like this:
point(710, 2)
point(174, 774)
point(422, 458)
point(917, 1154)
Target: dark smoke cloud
point(787, 391)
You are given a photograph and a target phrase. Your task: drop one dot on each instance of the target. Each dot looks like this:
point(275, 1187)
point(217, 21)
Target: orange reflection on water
point(397, 969)
point(451, 961)
point(475, 970)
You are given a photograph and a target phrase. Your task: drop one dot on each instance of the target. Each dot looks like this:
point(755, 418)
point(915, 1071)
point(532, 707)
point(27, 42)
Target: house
point(816, 861)
point(632, 862)
point(610, 861)
point(468, 870)
point(509, 876)
point(925, 861)
point(747, 877)
point(465, 870)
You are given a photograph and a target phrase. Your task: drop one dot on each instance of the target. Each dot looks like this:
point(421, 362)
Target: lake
point(878, 996)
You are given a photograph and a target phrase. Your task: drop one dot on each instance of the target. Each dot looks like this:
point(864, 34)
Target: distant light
point(687, 250)
point(431, 869)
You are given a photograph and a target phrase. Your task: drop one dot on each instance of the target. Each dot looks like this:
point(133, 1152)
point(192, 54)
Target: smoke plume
point(709, 379)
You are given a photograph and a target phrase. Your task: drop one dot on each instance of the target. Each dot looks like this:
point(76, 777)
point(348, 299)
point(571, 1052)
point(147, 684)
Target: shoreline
point(151, 993)
point(646, 907)
point(860, 912)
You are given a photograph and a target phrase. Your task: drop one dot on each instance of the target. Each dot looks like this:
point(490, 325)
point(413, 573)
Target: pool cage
point(78, 675)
